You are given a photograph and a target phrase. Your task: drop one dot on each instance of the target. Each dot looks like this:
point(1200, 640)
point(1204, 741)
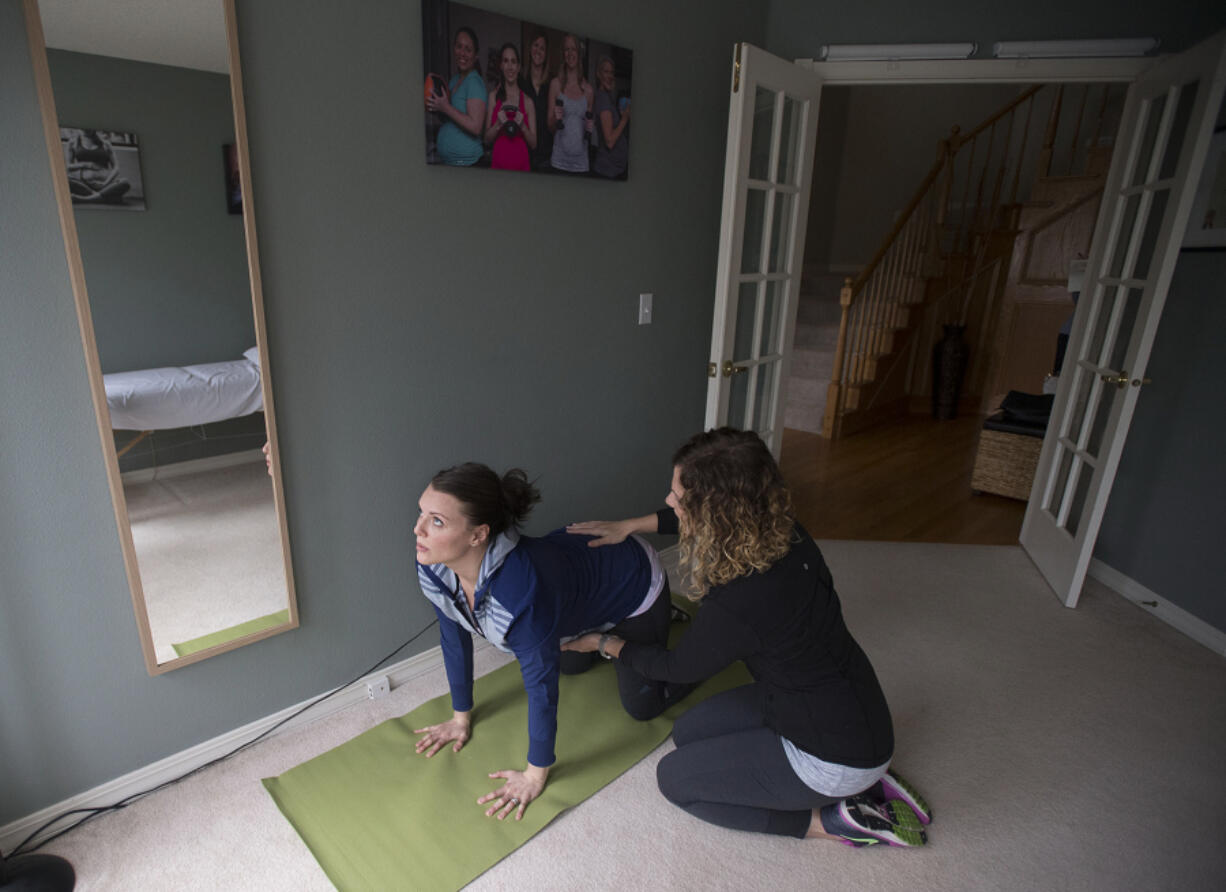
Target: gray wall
point(167, 286)
point(69, 657)
point(797, 28)
point(1164, 521)
point(828, 163)
point(418, 316)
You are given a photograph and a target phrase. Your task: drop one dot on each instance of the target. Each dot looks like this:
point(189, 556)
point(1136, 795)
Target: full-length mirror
point(160, 232)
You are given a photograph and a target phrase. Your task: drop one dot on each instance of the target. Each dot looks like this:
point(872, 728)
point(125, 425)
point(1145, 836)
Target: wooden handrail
point(1049, 139)
point(949, 148)
point(928, 180)
point(1004, 110)
point(933, 226)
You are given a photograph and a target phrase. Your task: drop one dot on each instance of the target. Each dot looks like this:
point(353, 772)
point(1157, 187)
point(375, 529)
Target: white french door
point(1164, 135)
point(768, 168)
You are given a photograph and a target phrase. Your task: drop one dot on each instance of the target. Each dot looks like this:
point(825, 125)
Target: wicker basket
point(1005, 463)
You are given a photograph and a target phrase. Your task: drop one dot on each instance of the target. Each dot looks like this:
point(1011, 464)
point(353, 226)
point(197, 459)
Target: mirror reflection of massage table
point(146, 400)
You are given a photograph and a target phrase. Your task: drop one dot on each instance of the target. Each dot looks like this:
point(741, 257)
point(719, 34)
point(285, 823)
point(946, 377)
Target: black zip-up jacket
point(787, 625)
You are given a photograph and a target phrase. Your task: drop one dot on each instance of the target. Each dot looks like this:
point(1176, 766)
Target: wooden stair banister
point(945, 256)
point(874, 303)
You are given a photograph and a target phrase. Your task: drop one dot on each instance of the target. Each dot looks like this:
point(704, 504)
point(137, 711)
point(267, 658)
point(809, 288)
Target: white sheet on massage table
point(165, 398)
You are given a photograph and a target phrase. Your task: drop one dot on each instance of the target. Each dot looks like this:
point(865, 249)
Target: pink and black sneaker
point(859, 821)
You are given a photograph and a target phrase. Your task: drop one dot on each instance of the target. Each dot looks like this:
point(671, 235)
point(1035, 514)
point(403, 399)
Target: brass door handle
point(1122, 380)
point(728, 369)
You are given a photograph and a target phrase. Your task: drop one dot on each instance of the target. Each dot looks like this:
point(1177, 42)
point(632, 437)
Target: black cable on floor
point(91, 813)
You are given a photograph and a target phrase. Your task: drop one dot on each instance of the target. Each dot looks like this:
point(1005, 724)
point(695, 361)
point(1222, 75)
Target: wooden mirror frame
point(59, 175)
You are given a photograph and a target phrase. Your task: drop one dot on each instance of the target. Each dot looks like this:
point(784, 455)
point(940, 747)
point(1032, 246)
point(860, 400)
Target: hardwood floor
point(905, 482)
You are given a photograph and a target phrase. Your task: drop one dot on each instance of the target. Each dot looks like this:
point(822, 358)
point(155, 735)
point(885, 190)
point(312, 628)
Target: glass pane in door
point(763, 131)
point(789, 138)
point(746, 313)
point(738, 401)
point(755, 231)
point(1153, 120)
point(764, 395)
point(1102, 318)
point(1105, 404)
point(769, 342)
point(1077, 502)
point(1128, 319)
point(1132, 206)
point(781, 232)
point(1179, 130)
point(1149, 237)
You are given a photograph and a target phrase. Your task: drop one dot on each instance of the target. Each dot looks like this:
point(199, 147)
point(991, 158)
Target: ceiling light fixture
point(1073, 49)
point(893, 52)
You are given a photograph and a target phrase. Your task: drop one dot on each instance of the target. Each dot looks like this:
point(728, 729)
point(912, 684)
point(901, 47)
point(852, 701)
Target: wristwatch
point(604, 639)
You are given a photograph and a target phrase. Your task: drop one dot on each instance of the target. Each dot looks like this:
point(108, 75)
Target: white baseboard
point(1195, 628)
point(194, 466)
point(179, 764)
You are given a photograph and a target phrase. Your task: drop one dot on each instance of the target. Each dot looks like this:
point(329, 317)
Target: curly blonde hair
point(737, 510)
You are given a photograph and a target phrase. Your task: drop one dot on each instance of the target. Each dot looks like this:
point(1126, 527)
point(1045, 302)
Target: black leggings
point(642, 698)
point(730, 769)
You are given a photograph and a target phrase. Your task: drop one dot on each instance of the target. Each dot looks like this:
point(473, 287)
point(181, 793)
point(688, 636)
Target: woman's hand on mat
point(459, 729)
point(520, 788)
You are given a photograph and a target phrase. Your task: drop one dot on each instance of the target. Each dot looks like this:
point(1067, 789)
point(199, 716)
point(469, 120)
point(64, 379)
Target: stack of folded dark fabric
point(1022, 413)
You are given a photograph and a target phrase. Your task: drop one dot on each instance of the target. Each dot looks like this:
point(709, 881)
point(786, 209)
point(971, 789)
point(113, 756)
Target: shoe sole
point(900, 827)
point(908, 826)
point(895, 788)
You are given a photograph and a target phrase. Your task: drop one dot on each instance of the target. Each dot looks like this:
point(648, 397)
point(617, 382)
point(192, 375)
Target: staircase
point(985, 239)
point(813, 346)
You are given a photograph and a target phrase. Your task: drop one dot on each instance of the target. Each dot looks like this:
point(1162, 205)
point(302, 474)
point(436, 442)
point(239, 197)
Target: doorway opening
point(876, 142)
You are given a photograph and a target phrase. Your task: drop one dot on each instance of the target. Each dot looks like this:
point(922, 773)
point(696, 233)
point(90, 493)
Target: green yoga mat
point(378, 816)
point(259, 624)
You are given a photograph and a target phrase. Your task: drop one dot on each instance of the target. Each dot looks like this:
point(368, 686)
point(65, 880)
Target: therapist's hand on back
point(607, 532)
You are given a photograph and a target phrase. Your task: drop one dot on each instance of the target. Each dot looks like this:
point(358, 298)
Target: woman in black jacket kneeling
point(805, 749)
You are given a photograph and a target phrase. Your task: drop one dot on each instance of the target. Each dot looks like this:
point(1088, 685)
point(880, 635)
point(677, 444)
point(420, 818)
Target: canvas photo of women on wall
point(509, 94)
point(103, 168)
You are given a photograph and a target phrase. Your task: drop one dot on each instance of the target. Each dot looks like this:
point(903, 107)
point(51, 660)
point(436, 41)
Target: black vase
point(948, 366)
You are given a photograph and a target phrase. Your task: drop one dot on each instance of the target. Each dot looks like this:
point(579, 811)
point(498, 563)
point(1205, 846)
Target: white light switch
point(644, 309)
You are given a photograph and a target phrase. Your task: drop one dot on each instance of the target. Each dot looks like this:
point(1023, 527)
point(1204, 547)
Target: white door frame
point(977, 71)
point(894, 72)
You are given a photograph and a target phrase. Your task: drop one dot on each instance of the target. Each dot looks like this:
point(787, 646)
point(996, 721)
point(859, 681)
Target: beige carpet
point(209, 551)
point(1060, 749)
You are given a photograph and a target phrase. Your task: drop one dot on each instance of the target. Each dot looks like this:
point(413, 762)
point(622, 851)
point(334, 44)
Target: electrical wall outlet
point(378, 687)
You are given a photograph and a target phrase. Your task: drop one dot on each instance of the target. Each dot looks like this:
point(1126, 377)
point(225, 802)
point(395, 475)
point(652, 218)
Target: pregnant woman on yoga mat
point(804, 750)
point(525, 595)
